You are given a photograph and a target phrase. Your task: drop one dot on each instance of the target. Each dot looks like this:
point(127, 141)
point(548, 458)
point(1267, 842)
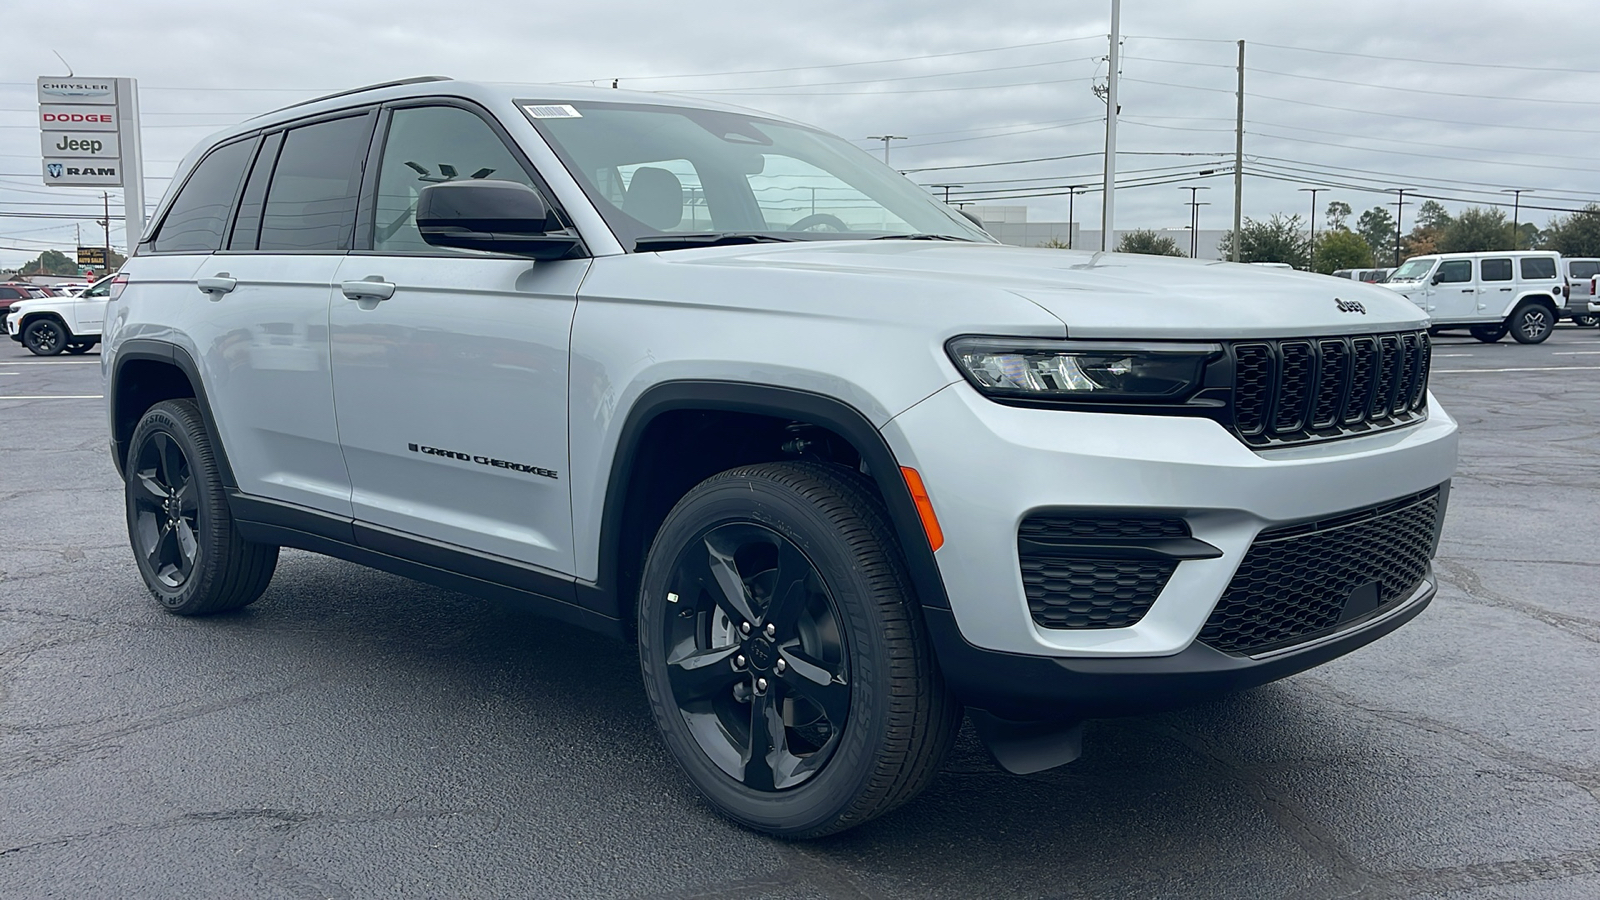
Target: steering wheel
point(833, 222)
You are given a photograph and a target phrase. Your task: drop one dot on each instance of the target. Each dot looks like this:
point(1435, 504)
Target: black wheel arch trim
point(177, 357)
point(768, 400)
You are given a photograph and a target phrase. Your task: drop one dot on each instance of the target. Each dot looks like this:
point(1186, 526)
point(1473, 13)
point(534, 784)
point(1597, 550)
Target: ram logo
point(54, 169)
point(1349, 306)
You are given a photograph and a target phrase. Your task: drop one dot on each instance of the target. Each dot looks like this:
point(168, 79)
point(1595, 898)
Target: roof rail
point(421, 79)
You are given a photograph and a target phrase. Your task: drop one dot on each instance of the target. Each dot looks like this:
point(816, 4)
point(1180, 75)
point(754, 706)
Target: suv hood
point(1114, 295)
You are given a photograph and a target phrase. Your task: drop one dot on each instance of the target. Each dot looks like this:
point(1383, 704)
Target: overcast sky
point(1457, 99)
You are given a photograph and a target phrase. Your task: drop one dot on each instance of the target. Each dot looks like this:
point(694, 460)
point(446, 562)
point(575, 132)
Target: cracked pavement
point(355, 734)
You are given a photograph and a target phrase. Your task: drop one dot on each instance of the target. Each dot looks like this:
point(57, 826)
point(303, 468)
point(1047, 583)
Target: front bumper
point(987, 467)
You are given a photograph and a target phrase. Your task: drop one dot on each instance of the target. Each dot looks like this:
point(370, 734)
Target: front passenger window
point(431, 145)
point(1455, 271)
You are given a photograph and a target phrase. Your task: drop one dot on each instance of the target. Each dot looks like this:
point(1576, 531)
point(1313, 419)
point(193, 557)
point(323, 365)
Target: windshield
point(1413, 269)
point(658, 171)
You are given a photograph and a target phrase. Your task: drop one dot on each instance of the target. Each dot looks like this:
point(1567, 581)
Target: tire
point(865, 718)
point(1488, 333)
point(1586, 320)
point(77, 348)
point(185, 543)
point(44, 337)
point(1532, 323)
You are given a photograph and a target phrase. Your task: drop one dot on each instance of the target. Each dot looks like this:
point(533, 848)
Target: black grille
point(1293, 391)
point(1070, 582)
point(1295, 581)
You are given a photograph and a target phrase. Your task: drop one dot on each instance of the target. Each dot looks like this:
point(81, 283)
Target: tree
point(1278, 239)
point(1575, 235)
point(1056, 243)
point(1376, 227)
point(1432, 214)
point(1433, 220)
point(50, 262)
point(1338, 214)
point(1149, 243)
point(1341, 250)
point(1477, 228)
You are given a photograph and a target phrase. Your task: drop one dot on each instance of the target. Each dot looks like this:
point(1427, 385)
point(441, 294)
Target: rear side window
point(1584, 270)
point(1538, 267)
point(199, 214)
point(1496, 269)
point(1454, 271)
point(10, 294)
point(311, 203)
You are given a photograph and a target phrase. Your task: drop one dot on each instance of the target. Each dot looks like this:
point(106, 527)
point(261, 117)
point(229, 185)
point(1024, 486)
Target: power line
point(1015, 162)
point(1057, 62)
point(970, 87)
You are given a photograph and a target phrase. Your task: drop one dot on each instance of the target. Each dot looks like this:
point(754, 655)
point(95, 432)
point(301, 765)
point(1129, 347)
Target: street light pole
point(1314, 192)
point(1516, 210)
point(886, 138)
point(1194, 217)
point(947, 188)
point(1399, 217)
point(1072, 197)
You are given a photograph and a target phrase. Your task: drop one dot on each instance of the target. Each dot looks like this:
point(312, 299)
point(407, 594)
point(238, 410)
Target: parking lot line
point(1520, 369)
point(52, 396)
point(1576, 353)
point(56, 362)
point(1443, 355)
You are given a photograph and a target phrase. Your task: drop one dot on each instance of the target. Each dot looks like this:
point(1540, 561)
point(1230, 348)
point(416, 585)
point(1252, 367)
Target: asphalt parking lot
point(355, 734)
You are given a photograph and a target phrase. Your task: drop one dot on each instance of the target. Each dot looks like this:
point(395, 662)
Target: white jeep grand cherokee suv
point(723, 385)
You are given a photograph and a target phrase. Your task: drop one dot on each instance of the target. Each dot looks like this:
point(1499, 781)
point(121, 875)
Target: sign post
point(89, 137)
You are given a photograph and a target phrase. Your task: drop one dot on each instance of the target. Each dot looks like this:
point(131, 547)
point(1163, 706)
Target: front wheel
point(1586, 320)
point(783, 655)
point(44, 337)
point(185, 543)
point(1532, 323)
point(77, 348)
point(1488, 333)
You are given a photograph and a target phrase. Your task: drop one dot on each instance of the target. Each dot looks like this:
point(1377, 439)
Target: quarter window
point(431, 145)
point(311, 204)
point(199, 214)
point(1455, 271)
point(1583, 270)
point(1496, 269)
point(1538, 267)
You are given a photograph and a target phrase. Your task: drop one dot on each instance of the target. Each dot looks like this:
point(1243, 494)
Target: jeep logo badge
point(1349, 306)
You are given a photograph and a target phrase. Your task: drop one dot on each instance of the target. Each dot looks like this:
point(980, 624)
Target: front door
point(1455, 291)
point(450, 368)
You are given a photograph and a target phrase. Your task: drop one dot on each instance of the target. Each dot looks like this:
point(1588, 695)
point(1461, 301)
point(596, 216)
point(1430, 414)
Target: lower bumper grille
point(1299, 582)
point(1078, 574)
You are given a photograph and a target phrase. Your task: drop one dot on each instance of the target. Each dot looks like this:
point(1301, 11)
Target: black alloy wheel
point(756, 658)
point(164, 509)
point(44, 337)
point(783, 653)
point(189, 552)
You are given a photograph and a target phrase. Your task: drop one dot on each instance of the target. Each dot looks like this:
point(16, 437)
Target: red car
point(12, 291)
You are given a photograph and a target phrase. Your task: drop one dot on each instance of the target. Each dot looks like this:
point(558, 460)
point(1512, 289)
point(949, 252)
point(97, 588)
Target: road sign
point(92, 256)
point(89, 137)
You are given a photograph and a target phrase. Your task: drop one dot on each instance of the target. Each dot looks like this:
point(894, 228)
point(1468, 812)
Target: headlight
point(1110, 371)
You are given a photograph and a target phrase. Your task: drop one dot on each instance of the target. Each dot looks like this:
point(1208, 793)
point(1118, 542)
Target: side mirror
point(498, 216)
point(1436, 277)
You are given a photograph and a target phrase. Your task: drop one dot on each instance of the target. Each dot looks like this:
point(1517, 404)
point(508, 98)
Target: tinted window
point(1538, 267)
point(1455, 271)
point(311, 204)
point(1583, 270)
point(10, 294)
point(1496, 269)
point(431, 145)
point(247, 224)
point(103, 289)
point(199, 214)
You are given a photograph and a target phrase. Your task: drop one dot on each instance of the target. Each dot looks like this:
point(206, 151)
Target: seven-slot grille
point(1310, 389)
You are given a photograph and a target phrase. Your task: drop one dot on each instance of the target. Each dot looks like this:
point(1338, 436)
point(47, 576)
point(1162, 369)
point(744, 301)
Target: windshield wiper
point(922, 237)
point(705, 239)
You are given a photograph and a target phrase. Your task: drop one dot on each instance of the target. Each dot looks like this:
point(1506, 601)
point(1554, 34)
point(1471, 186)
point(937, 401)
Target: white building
point(1010, 225)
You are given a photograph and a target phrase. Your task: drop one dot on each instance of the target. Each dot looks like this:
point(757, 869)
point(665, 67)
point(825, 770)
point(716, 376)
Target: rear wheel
point(44, 337)
point(1488, 333)
point(783, 655)
point(1586, 320)
point(1532, 323)
point(185, 543)
point(79, 347)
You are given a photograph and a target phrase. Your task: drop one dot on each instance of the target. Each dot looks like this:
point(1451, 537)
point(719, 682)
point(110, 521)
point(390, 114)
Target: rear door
point(450, 367)
point(1497, 288)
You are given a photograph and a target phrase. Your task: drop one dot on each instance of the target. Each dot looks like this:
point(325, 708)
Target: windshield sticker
point(556, 111)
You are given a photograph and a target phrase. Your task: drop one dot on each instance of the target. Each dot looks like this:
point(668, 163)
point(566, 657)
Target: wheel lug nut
point(738, 661)
point(772, 630)
point(761, 685)
point(744, 628)
point(781, 665)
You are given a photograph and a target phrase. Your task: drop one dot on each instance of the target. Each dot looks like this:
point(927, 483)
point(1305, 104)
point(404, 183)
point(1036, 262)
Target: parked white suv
point(49, 325)
point(724, 385)
point(1521, 292)
point(1583, 305)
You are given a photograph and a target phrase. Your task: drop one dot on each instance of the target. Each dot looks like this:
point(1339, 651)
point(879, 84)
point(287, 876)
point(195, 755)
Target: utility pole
point(947, 188)
point(1400, 205)
point(1516, 211)
point(105, 196)
point(1238, 163)
point(1113, 62)
point(886, 138)
point(1072, 197)
point(1194, 217)
point(1314, 192)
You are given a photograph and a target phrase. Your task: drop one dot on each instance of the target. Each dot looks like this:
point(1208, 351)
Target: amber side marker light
point(919, 496)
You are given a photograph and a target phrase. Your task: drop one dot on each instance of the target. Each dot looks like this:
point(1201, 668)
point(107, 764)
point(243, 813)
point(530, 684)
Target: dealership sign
point(89, 137)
